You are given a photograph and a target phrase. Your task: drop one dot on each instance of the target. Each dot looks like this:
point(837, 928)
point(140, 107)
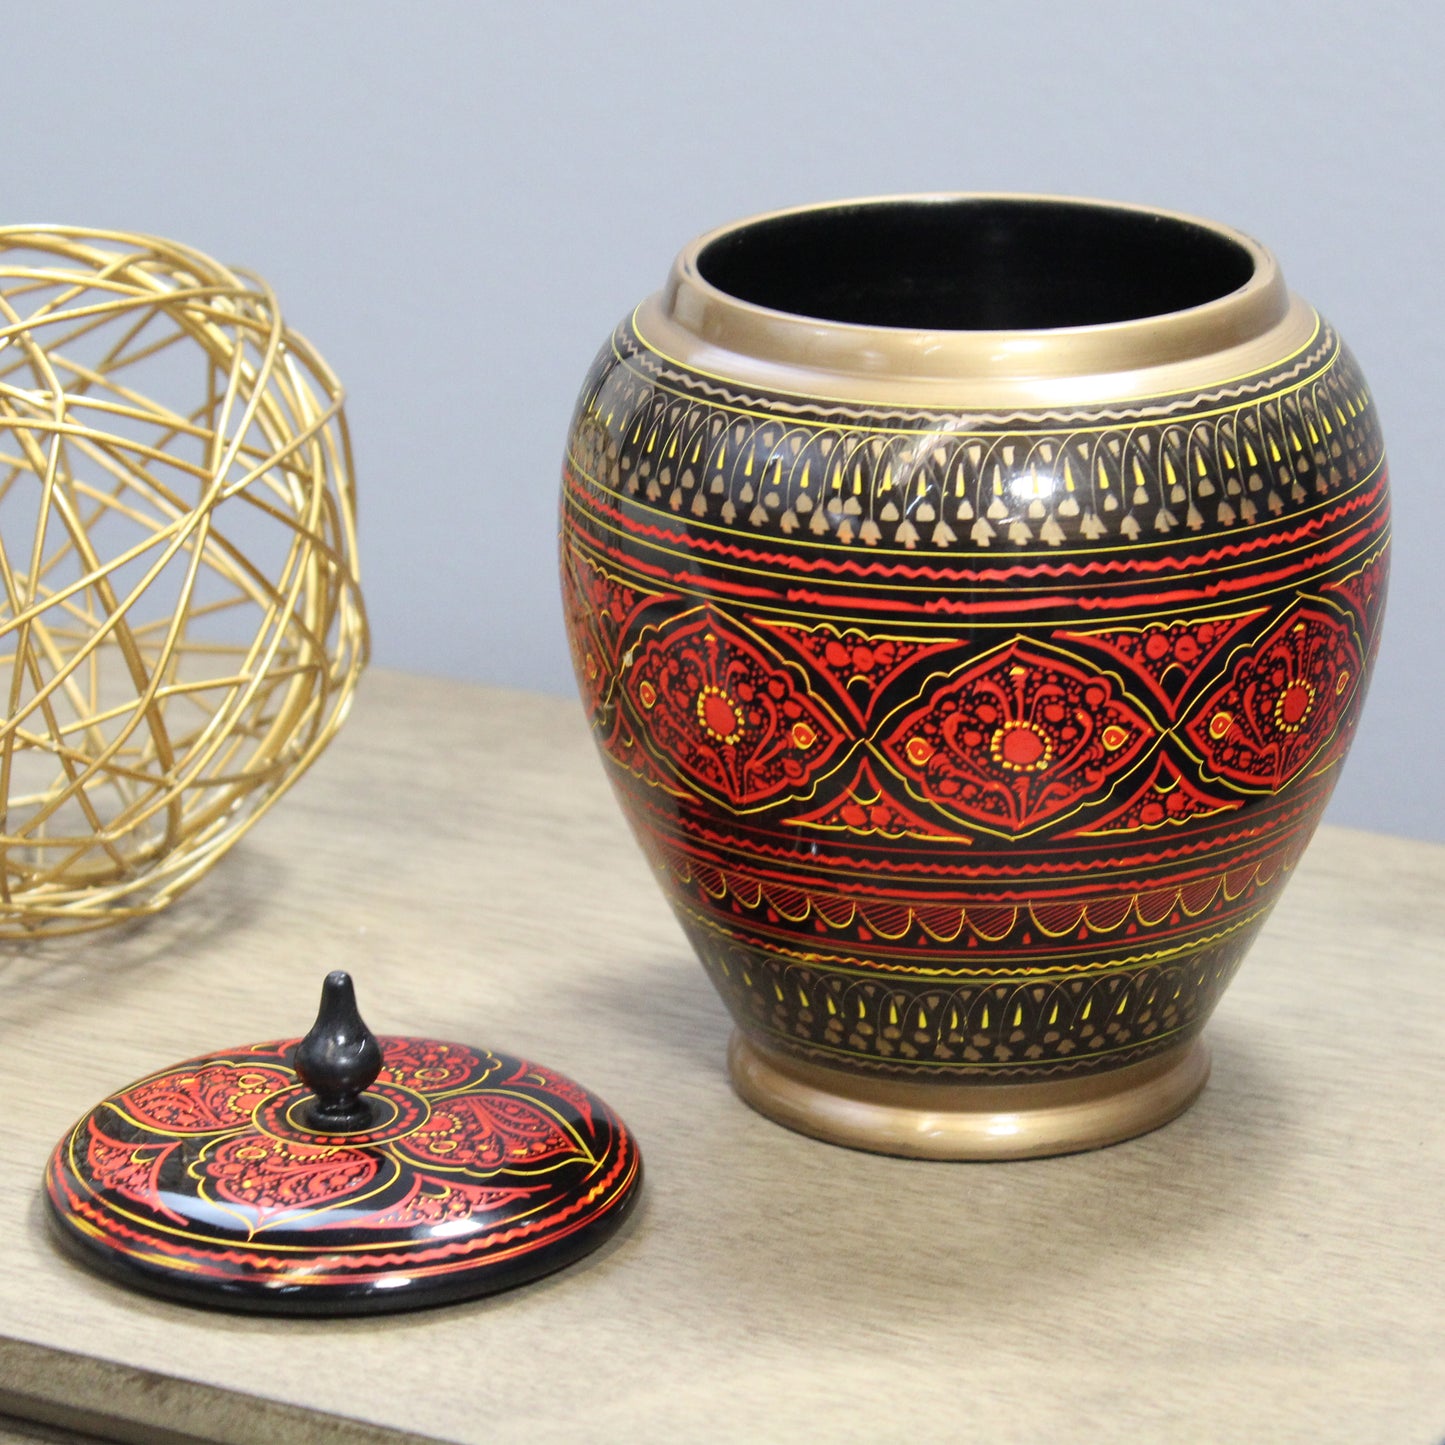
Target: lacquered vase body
point(973, 661)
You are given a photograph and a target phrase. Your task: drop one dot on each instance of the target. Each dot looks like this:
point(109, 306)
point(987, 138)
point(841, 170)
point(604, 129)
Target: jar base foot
point(968, 1121)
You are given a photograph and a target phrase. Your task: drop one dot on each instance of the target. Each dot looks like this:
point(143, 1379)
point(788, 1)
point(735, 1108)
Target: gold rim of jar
point(698, 325)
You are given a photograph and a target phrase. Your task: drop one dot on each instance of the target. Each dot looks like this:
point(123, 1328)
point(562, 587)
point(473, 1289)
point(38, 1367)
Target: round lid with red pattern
point(341, 1173)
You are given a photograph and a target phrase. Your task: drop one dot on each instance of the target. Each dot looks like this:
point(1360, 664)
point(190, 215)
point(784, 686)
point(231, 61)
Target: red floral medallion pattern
point(1018, 738)
point(1014, 742)
point(728, 714)
point(1282, 703)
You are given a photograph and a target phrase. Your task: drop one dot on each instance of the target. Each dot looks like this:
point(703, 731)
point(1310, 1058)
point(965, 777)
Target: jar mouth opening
point(976, 263)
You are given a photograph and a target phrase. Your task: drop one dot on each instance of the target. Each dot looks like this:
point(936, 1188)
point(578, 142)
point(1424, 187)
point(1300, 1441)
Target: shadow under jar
point(973, 598)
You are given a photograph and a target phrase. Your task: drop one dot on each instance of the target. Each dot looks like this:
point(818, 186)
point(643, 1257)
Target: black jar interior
point(975, 264)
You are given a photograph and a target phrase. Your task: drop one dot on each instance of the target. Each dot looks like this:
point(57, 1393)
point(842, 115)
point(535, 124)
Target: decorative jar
point(973, 598)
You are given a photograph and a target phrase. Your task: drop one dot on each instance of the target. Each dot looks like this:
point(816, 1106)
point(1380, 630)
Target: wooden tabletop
point(1268, 1267)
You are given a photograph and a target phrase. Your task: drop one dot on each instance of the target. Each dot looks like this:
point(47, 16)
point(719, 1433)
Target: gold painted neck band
point(710, 329)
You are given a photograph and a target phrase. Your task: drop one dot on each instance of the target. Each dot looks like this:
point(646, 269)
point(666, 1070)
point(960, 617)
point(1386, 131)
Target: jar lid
point(341, 1173)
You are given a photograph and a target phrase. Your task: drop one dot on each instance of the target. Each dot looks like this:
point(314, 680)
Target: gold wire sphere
point(181, 623)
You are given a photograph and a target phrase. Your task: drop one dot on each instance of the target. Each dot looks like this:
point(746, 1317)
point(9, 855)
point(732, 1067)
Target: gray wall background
point(456, 201)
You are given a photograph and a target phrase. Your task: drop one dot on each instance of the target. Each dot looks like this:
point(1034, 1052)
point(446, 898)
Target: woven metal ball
point(181, 624)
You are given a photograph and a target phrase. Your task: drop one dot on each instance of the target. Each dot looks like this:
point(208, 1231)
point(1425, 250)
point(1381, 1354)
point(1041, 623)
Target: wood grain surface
point(1269, 1267)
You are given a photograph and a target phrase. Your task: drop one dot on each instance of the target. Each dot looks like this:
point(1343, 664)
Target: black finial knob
point(338, 1060)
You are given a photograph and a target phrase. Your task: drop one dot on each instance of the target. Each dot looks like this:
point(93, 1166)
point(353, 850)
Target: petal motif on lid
point(483, 1133)
point(431, 1066)
point(201, 1099)
point(274, 1181)
point(128, 1169)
